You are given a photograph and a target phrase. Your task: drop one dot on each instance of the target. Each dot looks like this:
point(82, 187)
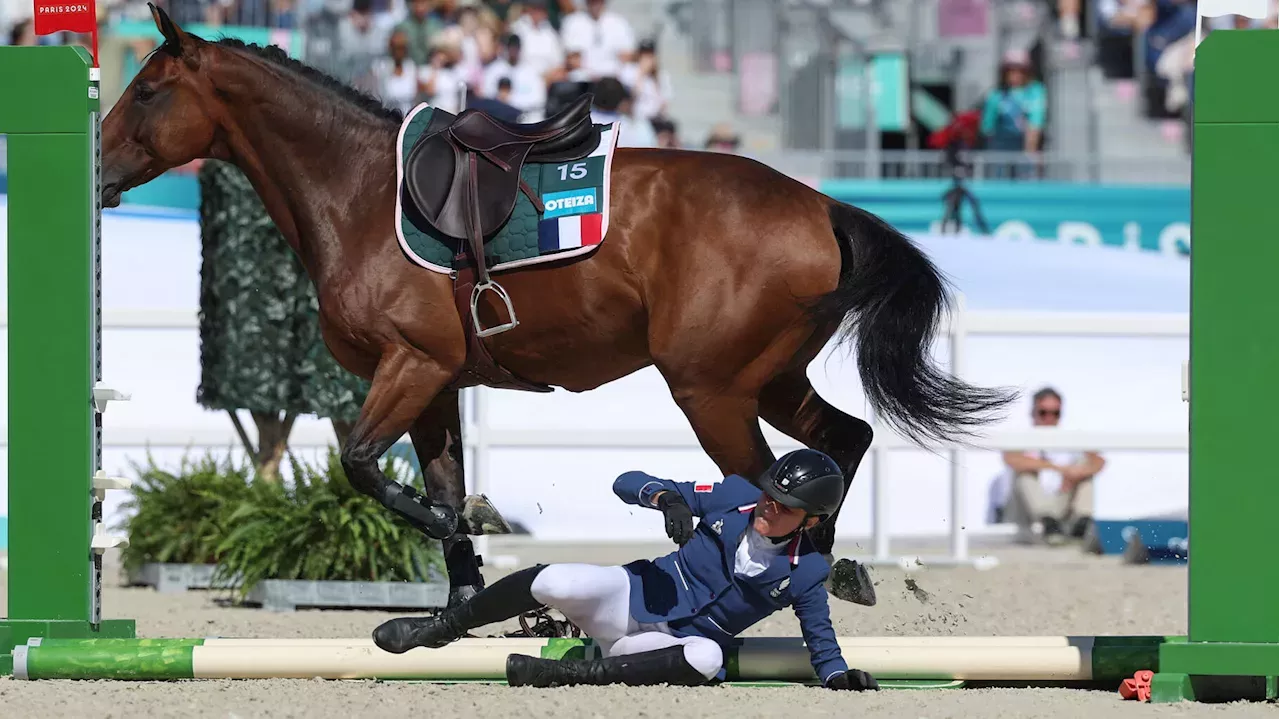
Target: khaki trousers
point(1030, 502)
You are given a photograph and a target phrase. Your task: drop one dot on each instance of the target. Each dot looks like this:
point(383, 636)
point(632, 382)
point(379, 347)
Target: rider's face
point(775, 520)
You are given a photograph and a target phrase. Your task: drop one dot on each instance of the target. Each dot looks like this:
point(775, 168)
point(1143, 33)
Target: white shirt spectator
point(396, 90)
point(539, 44)
point(528, 88)
point(449, 90)
point(599, 41)
point(652, 96)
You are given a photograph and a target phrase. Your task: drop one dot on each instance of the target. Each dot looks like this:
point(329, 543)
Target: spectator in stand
point(1055, 488)
point(604, 38)
point(1013, 114)
point(723, 138)
point(421, 27)
point(362, 38)
point(613, 104)
point(667, 135)
point(479, 45)
point(528, 88)
point(1165, 22)
point(540, 43)
point(650, 85)
point(396, 75)
point(440, 81)
point(498, 106)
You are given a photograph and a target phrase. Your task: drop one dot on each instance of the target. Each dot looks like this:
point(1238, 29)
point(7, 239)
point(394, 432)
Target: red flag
point(80, 16)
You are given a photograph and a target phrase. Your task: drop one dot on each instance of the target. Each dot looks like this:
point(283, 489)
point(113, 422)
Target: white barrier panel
point(548, 461)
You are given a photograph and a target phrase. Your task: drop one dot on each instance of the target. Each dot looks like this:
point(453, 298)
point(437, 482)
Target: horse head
point(168, 115)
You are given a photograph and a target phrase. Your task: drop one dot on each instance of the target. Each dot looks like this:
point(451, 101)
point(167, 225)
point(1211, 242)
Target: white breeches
point(598, 600)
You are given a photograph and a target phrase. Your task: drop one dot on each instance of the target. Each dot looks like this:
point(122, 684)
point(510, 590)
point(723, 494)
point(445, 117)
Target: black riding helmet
point(806, 479)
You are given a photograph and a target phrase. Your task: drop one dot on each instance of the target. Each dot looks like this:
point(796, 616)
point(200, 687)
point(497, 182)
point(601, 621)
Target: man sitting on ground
point(669, 620)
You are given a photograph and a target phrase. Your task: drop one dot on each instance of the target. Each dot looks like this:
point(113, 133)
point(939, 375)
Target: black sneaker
point(1051, 531)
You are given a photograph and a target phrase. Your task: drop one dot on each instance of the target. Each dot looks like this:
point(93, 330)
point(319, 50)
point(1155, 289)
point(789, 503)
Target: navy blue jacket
point(695, 590)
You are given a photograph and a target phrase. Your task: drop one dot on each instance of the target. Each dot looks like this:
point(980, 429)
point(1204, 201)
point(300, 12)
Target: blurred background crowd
point(1068, 86)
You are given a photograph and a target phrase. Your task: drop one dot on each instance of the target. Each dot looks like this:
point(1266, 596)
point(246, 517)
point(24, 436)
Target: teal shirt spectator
point(1009, 112)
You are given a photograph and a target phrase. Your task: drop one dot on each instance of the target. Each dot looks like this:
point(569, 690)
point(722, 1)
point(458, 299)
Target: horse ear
point(174, 37)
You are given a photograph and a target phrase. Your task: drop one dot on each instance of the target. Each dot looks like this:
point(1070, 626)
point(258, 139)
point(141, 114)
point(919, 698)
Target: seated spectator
point(396, 75)
point(650, 85)
point(498, 106)
point(1165, 22)
point(539, 40)
point(477, 45)
point(613, 104)
point(667, 134)
point(1054, 488)
point(422, 25)
point(440, 81)
point(361, 38)
point(604, 38)
point(1013, 114)
point(528, 88)
point(23, 33)
point(723, 138)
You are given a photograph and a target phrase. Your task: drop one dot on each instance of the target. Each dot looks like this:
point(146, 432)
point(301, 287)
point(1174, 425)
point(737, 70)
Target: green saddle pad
point(575, 196)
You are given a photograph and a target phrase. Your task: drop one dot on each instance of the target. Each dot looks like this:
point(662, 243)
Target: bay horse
point(728, 276)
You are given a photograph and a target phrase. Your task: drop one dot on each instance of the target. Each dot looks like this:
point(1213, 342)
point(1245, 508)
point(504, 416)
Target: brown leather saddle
point(461, 180)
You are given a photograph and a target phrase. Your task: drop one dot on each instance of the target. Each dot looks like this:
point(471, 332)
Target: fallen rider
point(669, 620)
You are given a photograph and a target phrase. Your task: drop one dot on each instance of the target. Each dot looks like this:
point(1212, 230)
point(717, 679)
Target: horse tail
point(889, 301)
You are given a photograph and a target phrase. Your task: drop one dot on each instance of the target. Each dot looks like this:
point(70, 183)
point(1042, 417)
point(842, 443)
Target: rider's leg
point(701, 653)
point(640, 659)
point(596, 599)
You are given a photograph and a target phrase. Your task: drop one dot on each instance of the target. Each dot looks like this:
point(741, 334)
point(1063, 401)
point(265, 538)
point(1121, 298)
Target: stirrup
point(497, 289)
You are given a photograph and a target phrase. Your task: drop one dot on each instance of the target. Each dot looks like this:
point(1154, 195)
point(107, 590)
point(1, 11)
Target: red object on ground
point(1139, 687)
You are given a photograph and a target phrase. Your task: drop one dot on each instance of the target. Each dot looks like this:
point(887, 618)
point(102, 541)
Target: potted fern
point(317, 542)
point(177, 519)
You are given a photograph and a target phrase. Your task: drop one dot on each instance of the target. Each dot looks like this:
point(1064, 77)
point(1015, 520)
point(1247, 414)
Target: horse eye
point(143, 93)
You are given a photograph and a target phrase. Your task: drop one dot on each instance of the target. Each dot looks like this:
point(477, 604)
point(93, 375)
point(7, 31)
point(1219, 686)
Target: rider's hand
point(854, 680)
point(678, 516)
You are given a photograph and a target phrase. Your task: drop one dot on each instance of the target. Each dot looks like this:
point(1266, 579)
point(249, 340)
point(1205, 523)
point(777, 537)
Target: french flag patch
point(703, 487)
point(567, 233)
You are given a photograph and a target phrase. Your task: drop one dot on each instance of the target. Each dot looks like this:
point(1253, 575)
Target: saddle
point(462, 179)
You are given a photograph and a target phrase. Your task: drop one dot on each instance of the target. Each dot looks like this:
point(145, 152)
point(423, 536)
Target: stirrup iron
point(497, 289)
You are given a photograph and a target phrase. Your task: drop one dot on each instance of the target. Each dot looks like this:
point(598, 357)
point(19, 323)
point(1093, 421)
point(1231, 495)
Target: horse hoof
point(479, 516)
point(851, 582)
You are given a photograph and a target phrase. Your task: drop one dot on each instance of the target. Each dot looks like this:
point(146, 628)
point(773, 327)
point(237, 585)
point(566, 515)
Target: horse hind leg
point(728, 429)
point(791, 405)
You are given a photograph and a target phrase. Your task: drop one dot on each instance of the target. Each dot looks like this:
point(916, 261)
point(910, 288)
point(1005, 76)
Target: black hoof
point(400, 635)
point(850, 582)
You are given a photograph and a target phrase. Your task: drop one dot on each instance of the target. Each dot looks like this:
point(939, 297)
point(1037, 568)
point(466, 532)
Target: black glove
point(678, 515)
point(854, 680)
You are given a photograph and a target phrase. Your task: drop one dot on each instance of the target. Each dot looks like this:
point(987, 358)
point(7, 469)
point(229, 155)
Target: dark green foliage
point(260, 344)
point(180, 517)
point(318, 527)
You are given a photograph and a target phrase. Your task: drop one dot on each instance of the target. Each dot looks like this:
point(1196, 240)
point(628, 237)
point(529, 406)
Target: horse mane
point(278, 57)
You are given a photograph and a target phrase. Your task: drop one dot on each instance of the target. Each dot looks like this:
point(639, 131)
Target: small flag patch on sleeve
point(567, 233)
point(703, 487)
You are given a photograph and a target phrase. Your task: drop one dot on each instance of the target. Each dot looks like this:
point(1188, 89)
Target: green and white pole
point(50, 114)
point(1009, 659)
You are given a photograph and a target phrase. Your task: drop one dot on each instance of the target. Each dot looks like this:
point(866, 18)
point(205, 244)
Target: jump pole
point(50, 113)
point(1232, 572)
point(991, 659)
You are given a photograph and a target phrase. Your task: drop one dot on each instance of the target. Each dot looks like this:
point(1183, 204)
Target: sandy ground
point(1033, 591)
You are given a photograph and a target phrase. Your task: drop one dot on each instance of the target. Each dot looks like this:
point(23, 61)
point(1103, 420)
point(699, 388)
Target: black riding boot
point(508, 597)
point(660, 666)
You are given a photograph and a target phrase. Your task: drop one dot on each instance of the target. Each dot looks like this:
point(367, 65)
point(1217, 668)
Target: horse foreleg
point(437, 440)
point(405, 383)
point(793, 407)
